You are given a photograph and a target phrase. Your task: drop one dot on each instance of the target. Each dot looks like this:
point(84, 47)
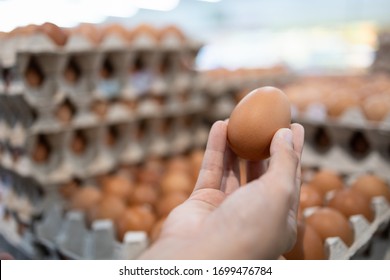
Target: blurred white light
point(211, 1)
point(159, 5)
point(65, 13)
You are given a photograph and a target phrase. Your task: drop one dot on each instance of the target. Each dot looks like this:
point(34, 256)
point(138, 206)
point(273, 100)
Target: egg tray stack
point(371, 237)
point(79, 109)
point(346, 120)
point(382, 56)
point(224, 88)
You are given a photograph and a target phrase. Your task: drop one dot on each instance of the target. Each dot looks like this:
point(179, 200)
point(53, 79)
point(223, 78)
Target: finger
point(211, 172)
point(298, 141)
point(283, 166)
point(231, 174)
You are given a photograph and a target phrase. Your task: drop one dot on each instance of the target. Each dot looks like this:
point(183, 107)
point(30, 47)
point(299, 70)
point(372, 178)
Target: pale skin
point(225, 220)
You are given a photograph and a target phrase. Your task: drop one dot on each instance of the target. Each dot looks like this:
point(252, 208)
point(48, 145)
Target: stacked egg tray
point(224, 88)
point(371, 239)
point(349, 144)
point(80, 110)
point(382, 56)
point(40, 226)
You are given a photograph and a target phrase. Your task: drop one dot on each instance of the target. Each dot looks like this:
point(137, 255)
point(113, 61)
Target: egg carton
point(353, 117)
point(68, 235)
point(346, 147)
point(336, 249)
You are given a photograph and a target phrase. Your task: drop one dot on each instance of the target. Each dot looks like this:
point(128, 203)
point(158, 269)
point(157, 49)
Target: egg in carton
point(113, 72)
point(137, 142)
point(45, 158)
point(115, 37)
point(183, 135)
point(83, 37)
point(79, 83)
point(42, 88)
point(363, 197)
point(11, 81)
point(82, 151)
point(161, 136)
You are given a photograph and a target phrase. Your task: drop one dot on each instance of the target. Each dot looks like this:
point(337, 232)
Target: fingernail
point(286, 135)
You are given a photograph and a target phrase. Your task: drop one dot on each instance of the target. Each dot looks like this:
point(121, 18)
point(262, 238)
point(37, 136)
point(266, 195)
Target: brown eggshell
point(351, 202)
point(117, 185)
point(135, 218)
point(143, 30)
point(371, 186)
point(171, 30)
point(89, 31)
point(41, 152)
point(117, 29)
point(151, 172)
point(310, 197)
point(326, 180)
point(85, 198)
point(56, 33)
point(176, 182)
point(309, 245)
point(168, 202)
point(109, 207)
point(329, 222)
point(144, 194)
point(255, 120)
point(376, 107)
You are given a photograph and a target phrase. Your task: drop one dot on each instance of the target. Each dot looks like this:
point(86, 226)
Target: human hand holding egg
point(224, 220)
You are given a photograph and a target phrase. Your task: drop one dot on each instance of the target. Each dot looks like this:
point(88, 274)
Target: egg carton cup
point(336, 249)
point(11, 81)
point(67, 232)
point(114, 85)
point(339, 153)
point(352, 117)
point(51, 64)
point(136, 146)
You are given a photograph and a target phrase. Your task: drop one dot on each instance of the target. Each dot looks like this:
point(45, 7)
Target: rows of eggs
point(371, 94)
point(95, 34)
point(42, 148)
point(335, 95)
point(334, 201)
point(136, 197)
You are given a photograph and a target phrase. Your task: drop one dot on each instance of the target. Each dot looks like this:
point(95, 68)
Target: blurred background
point(106, 106)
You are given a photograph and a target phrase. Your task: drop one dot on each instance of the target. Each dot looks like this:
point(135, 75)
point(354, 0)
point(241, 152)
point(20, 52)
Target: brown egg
point(329, 222)
point(33, 75)
point(78, 143)
point(144, 194)
point(41, 152)
point(143, 30)
point(89, 31)
point(371, 185)
point(135, 218)
point(67, 190)
point(351, 202)
point(255, 120)
point(340, 101)
point(109, 207)
point(171, 30)
point(100, 108)
point(376, 107)
point(85, 198)
point(178, 164)
point(310, 197)
point(56, 33)
point(117, 29)
point(309, 245)
point(176, 182)
point(119, 186)
point(151, 172)
point(168, 202)
point(326, 180)
point(65, 112)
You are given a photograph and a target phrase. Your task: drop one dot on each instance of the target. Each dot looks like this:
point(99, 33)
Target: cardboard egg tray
point(336, 249)
point(349, 144)
point(366, 233)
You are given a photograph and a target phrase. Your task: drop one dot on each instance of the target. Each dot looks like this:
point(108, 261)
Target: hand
point(221, 220)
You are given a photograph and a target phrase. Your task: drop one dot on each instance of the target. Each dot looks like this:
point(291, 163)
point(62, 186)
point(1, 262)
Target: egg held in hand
point(255, 120)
